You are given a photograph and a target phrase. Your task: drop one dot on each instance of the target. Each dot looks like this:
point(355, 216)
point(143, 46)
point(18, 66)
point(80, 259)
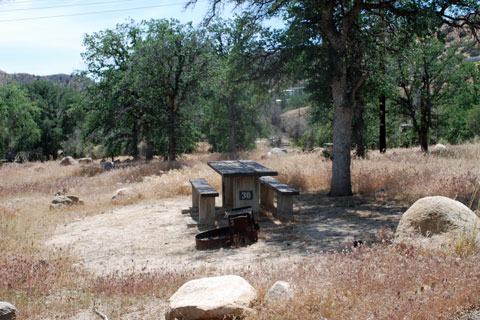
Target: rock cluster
point(61, 201)
point(224, 297)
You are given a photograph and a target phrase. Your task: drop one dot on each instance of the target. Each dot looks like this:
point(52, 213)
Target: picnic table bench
point(269, 186)
point(203, 198)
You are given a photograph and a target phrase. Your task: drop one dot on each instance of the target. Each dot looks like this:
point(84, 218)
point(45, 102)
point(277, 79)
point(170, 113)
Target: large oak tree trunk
point(423, 136)
point(341, 184)
point(149, 150)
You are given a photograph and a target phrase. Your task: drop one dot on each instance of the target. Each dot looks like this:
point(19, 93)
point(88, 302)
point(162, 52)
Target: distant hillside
point(62, 80)
point(471, 51)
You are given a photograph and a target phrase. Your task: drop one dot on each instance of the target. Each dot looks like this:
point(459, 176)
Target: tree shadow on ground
point(323, 223)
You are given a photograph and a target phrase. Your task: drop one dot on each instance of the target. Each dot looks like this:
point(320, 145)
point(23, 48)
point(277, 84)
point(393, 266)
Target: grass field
point(375, 282)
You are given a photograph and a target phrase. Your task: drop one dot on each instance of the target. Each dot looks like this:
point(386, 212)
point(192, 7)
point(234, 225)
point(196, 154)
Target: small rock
point(212, 298)
point(7, 311)
point(85, 160)
point(279, 151)
point(60, 201)
point(124, 193)
point(108, 165)
point(280, 292)
point(67, 161)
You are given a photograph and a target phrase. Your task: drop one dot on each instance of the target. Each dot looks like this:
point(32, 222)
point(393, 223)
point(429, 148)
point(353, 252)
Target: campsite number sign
point(246, 195)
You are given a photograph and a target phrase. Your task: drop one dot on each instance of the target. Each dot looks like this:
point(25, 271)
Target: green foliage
point(316, 136)
point(435, 90)
point(60, 116)
point(114, 119)
point(235, 91)
point(168, 67)
point(473, 120)
point(18, 129)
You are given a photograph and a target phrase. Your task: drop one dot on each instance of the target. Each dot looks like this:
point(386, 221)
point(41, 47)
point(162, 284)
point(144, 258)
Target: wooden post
point(266, 196)
point(206, 212)
point(227, 192)
point(284, 207)
point(195, 197)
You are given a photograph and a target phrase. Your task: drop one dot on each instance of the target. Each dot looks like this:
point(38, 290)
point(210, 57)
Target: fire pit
point(241, 229)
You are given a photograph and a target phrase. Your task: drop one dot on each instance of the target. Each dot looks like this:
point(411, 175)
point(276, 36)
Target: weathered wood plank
point(241, 168)
point(258, 168)
point(278, 186)
point(231, 168)
point(203, 188)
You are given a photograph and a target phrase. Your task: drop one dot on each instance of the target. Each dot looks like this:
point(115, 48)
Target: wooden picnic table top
point(241, 168)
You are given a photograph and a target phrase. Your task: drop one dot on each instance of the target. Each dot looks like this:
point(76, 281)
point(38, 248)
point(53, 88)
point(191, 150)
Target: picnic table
point(240, 182)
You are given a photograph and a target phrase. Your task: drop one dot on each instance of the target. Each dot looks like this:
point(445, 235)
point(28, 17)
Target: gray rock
point(7, 311)
point(280, 292)
point(212, 298)
point(108, 165)
point(437, 223)
point(60, 201)
point(67, 161)
point(279, 151)
point(125, 194)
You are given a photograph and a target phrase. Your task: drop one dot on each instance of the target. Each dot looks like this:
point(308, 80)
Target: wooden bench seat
point(269, 187)
point(203, 198)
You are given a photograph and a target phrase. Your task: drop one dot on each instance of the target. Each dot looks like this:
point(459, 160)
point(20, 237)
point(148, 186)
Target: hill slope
point(62, 80)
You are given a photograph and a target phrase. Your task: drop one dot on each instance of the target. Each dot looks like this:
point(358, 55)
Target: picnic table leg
point(284, 207)
point(195, 197)
point(206, 212)
point(266, 196)
point(227, 192)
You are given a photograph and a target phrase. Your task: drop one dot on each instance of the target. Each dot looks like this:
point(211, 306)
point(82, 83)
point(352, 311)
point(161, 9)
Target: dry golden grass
point(379, 282)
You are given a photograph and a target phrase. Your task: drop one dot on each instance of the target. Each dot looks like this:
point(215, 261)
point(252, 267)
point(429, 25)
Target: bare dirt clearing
point(156, 235)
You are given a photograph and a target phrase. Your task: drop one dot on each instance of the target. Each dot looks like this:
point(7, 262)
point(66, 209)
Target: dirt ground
point(157, 235)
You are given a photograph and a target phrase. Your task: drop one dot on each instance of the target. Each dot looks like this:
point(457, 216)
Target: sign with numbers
point(246, 195)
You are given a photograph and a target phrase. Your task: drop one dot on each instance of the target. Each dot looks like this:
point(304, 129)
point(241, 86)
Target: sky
point(44, 37)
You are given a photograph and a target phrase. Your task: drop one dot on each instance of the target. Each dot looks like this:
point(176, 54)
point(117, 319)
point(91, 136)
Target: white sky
point(53, 45)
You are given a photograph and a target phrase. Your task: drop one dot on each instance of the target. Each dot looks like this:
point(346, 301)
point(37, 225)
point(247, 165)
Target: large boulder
point(7, 311)
point(437, 223)
point(224, 297)
point(67, 161)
